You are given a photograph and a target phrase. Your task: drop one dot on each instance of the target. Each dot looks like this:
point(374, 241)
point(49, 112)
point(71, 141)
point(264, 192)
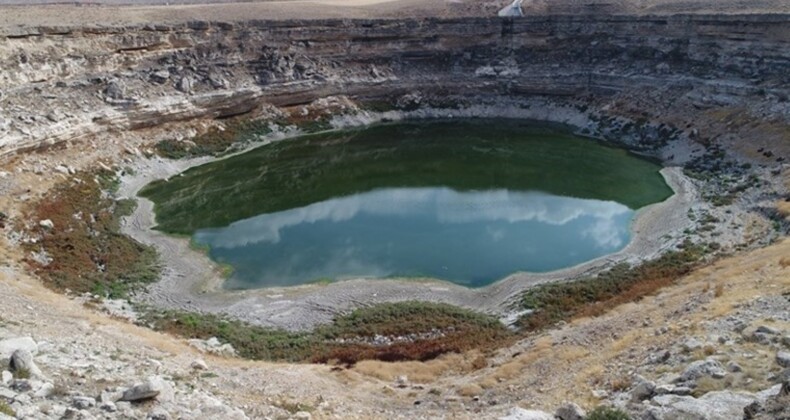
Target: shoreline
point(191, 281)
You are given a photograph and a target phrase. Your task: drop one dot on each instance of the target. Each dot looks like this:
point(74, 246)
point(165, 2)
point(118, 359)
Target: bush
point(88, 252)
point(434, 329)
point(592, 296)
point(607, 413)
point(6, 409)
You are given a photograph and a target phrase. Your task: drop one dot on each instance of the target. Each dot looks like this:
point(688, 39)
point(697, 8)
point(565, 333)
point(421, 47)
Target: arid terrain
point(101, 94)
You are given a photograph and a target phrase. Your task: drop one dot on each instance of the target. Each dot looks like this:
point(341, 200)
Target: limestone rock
point(691, 344)
point(720, 405)
point(643, 390)
point(160, 76)
point(570, 411)
point(217, 81)
point(46, 224)
point(83, 403)
point(114, 90)
point(184, 84)
point(523, 414)
point(767, 330)
point(199, 364)
point(158, 414)
point(22, 361)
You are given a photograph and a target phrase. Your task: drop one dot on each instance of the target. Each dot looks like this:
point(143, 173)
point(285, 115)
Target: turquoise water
point(470, 238)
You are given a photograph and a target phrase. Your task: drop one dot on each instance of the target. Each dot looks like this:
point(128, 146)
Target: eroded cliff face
point(61, 84)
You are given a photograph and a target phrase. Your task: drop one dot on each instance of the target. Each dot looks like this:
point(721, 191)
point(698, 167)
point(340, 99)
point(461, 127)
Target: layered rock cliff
point(62, 83)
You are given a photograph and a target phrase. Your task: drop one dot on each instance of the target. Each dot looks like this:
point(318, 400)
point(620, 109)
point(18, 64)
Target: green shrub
point(607, 413)
point(6, 409)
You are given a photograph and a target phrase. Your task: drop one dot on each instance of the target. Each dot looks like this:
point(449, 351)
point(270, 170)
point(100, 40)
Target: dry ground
point(141, 11)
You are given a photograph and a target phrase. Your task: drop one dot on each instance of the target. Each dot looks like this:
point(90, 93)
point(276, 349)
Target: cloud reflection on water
point(449, 207)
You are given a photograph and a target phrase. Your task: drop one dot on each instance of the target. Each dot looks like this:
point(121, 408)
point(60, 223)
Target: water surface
point(467, 201)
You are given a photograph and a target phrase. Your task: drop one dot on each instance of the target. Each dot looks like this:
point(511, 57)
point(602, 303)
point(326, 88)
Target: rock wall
point(61, 84)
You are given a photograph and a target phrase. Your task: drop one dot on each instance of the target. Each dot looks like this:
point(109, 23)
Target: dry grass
point(470, 390)
point(420, 372)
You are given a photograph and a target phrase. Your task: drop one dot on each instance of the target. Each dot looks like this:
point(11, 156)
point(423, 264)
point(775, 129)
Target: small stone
point(46, 224)
point(643, 390)
point(158, 414)
point(114, 90)
point(304, 415)
point(83, 403)
point(6, 377)
point(734, 367)
point(570, 411)
point(108, 406)
point(184, 84)
point(160, 76)
point(45, 390)
point(199, 364)
point(783, 359)
point(759, 337)
point(691, 345)
point(767, 330)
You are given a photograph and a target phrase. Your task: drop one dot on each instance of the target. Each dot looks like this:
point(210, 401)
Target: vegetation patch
point(390, 332)
point(6, 409)
point(83, 250)
point(607, 413)
point(216, 141)
point(593, 296)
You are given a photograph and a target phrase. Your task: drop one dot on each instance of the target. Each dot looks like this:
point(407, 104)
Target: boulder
point(701, 368)
point(783, 359)
point(719, 405)
point(22, 361)
point(523, 414)
point(148, 389)
point(570, 411)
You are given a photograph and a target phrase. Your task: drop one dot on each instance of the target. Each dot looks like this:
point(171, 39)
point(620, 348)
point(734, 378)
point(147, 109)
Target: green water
point(468, 201)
